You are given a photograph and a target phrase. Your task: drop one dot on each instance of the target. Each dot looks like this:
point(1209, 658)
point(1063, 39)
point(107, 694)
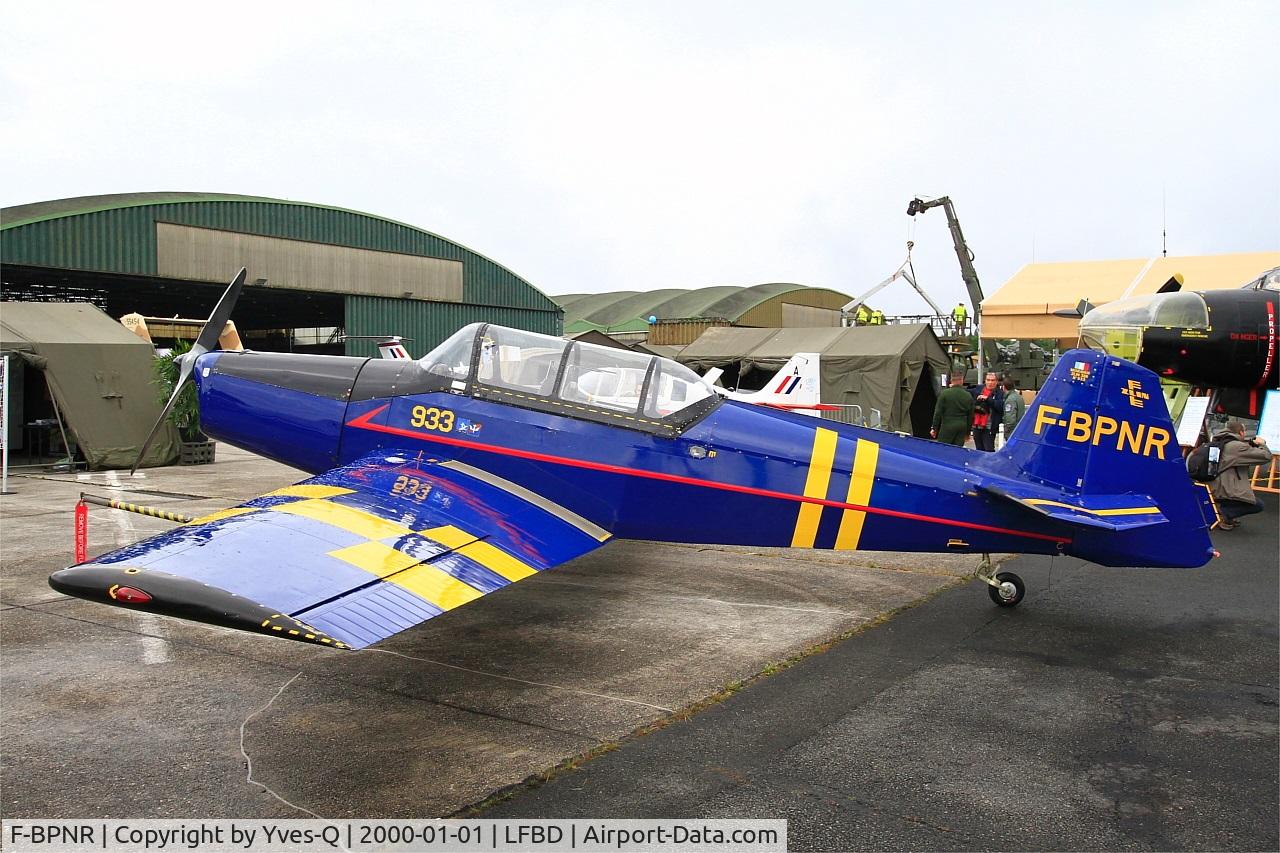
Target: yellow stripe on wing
point(440, 588)
point(815, 486)
point(409, 572)
point(350, 519)
point(310, 490)
point(224, 513)
point(491, 557)
point(861, 479)
point(376, 558)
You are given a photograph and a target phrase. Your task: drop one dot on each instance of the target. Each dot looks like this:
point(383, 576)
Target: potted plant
point(195, 447)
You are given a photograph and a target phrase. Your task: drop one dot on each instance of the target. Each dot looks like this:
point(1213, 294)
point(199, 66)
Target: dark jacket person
point(953, 414)
point(989, 410)
point(1231, 490)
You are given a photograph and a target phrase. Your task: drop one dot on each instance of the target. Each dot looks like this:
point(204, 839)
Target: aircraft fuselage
point(741, 474)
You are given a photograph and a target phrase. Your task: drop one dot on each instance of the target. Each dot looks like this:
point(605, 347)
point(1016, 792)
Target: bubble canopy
point(569, 375)
point(1170, 310)
point(1117, 328)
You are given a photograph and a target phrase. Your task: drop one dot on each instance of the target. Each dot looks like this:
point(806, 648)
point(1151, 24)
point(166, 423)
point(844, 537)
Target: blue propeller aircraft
point(503, 453)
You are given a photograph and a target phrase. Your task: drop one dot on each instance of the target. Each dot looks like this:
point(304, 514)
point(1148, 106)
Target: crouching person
point(1231, 489)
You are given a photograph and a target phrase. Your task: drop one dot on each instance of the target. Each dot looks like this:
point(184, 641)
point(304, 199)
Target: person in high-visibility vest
point(960, 315)
point(877, 317)
point(862, 316)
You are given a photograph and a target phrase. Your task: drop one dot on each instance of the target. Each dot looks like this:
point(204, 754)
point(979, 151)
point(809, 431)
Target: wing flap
point(346, 558)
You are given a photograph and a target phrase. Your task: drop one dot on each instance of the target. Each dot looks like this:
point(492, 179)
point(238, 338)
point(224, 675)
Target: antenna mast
point(1164, 224)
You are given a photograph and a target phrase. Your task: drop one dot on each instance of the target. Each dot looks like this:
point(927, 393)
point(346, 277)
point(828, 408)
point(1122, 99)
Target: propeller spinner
point(207, 340)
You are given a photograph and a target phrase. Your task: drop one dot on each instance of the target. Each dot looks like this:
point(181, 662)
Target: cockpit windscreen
point(541, 367)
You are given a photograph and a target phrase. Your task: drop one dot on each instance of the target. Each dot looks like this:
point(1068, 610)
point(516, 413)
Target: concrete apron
point(112, 713)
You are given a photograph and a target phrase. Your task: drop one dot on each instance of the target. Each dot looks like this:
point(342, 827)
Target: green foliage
point(185, 414)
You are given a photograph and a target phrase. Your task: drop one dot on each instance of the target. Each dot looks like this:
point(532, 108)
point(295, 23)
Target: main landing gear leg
point(1006, 589)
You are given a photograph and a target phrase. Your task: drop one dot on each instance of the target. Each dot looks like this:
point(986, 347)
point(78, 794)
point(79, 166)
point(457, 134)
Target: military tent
point(894, 370)
point(99, 374)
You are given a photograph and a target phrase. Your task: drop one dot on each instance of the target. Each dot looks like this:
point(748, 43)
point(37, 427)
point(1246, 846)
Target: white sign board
point(1192, 420)
point(1269, 425)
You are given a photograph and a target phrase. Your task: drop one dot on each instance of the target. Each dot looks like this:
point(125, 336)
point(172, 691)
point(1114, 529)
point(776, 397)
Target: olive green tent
point(894, 370)
point(99, 374)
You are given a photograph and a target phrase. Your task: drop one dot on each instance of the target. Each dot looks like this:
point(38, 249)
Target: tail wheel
point(1008, 590)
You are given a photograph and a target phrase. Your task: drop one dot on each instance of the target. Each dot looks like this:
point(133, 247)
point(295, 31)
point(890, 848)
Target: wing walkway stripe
point(567, 515)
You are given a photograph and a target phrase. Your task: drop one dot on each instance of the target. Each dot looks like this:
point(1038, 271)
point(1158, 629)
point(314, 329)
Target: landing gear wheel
point(1008, 590)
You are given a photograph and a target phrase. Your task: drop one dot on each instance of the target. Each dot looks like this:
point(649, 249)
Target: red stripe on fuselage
point(363, 422)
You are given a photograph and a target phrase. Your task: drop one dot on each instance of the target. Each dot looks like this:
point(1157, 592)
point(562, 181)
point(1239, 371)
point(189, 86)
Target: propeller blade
point(221, 314)
point(186, 365)
point(206, 341)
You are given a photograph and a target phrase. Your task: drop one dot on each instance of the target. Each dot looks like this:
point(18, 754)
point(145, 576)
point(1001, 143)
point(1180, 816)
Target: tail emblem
point(1137, 397)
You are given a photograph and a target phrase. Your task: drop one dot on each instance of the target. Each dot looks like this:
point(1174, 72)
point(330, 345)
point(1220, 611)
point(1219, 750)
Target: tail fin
point(392, 348)
point(1097, 450)
point(794, 387)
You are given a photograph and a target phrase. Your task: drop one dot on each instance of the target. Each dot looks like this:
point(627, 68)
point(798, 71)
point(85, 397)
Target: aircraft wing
point(344, 559)
point(1106, 512)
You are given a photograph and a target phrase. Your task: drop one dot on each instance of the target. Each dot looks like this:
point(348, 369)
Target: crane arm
point(963, 254)
point(987, 350)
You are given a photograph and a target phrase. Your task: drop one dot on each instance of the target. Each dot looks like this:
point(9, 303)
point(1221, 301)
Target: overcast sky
point(602, 146)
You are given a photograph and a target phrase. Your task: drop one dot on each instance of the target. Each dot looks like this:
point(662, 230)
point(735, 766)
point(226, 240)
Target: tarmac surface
point(1111, 710)
point(113, 713)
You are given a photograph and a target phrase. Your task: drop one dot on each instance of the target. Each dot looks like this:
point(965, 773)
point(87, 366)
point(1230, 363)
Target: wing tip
point(170, 595)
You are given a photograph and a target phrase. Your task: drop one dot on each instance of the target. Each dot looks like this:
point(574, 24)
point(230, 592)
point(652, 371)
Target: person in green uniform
point(1014, 408)
point(960, 316)
point(877, 317)
point(863, 316)
point(953, 414)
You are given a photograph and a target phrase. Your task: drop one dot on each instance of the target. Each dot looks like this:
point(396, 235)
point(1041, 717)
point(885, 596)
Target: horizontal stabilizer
point(1105, 512)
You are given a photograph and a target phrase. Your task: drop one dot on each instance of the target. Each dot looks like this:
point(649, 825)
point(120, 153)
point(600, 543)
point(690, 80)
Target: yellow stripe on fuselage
point(865, 459)
point(815, 486)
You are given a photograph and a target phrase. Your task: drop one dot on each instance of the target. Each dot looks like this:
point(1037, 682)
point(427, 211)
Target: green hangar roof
point(206, 236)
point(762, 305)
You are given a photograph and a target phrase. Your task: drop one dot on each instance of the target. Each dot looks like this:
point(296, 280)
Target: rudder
point(1099, 431)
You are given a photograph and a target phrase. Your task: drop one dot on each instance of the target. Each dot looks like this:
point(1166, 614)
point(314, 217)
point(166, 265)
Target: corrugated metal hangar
point(171, 254)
